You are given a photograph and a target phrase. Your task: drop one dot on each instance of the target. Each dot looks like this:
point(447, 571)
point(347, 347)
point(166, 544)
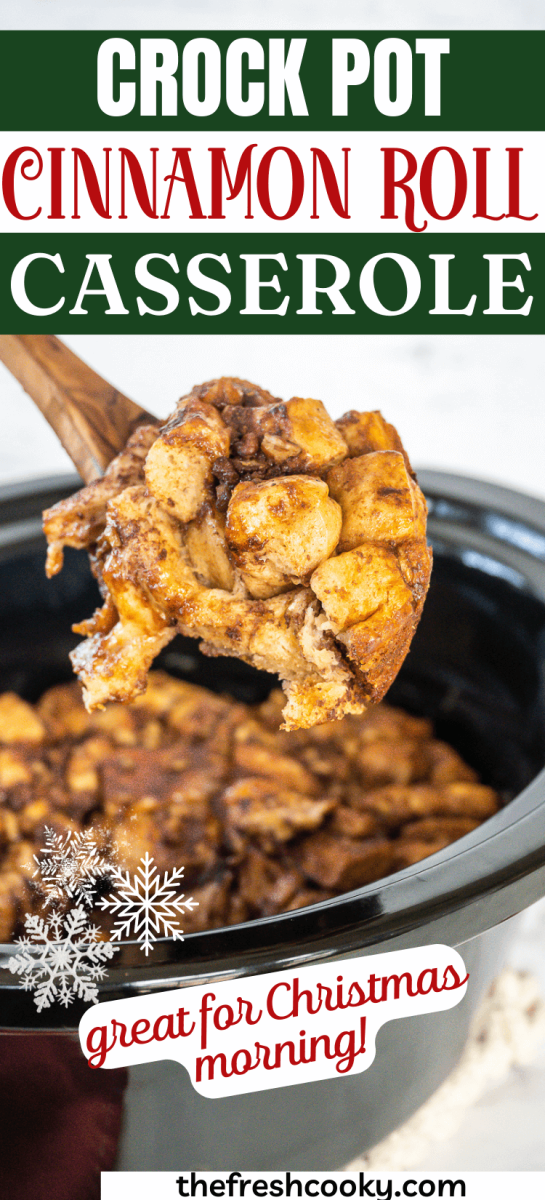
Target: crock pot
point(477, 668)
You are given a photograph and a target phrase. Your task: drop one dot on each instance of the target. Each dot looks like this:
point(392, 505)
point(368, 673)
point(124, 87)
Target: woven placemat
point(506, 1032)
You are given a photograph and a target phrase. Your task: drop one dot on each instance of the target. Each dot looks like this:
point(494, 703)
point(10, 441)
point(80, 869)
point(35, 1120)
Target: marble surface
point(466, 404)
point(505, 1131)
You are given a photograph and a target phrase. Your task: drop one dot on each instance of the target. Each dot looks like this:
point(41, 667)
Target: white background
point(469, 404)
point(365, 191)
point(490, 1186)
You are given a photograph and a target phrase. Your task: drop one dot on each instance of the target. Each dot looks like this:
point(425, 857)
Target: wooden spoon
point(90, 417)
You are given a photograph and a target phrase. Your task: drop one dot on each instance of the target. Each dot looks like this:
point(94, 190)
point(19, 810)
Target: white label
point(334, 1185)
point(268, 1031)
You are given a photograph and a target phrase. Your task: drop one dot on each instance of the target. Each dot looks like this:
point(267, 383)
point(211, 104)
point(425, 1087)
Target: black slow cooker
point(477, 668)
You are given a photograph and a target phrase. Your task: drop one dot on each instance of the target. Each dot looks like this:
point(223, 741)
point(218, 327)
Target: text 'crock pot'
point(477, 668)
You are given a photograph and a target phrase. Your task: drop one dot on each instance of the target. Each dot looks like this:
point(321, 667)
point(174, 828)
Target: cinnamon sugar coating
point(264, 821)
point(263, 528)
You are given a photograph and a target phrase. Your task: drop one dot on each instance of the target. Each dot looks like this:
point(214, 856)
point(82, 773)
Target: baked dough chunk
point(265, 529)
point(264, 821)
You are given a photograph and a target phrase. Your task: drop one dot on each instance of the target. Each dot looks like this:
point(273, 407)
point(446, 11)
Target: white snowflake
point(70, 866)
point(61, 959)
point(146, 908)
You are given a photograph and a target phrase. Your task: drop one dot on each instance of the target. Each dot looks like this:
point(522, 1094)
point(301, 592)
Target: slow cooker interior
point(476, 667)
point(476, 664)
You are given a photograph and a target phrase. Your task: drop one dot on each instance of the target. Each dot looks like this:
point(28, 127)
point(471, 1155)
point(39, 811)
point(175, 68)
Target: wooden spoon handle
point(90, 417)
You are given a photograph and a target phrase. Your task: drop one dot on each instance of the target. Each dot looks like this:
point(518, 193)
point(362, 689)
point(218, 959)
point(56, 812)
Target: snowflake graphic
point(61, 959)
point(70, 866)
point(145, 907)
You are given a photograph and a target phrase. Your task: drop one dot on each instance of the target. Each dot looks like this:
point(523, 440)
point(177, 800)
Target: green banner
point(488, 80)
point(233, 283)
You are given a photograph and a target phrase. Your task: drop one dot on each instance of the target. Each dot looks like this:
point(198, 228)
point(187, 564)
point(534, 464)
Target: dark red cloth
point(60, 1120)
